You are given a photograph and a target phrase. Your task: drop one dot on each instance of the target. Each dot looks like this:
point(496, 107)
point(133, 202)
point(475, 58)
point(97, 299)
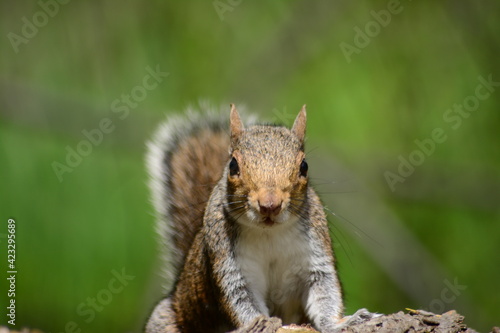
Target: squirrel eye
point(303, 168)
point(234, 169)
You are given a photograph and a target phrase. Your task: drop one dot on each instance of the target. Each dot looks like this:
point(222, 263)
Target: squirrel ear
point(236, 126)
point(299, 126)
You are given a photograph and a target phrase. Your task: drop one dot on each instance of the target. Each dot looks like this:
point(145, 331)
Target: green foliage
point(73, 72)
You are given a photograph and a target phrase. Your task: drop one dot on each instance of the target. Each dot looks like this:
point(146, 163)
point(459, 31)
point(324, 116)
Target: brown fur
point(196, 168)
point(211, 294)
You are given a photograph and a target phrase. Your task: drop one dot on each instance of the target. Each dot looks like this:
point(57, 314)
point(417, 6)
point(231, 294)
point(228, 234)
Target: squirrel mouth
point(268, 221)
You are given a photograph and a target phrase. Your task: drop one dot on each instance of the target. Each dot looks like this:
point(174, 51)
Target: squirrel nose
point(270, 208)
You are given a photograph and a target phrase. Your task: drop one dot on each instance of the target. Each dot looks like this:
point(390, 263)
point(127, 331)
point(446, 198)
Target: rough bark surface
point(415, 321)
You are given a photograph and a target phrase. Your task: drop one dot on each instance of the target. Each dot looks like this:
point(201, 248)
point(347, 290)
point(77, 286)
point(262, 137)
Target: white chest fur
point(275, 263)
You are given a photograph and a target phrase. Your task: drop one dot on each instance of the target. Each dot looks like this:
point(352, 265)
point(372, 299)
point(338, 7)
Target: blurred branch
point(36, 108)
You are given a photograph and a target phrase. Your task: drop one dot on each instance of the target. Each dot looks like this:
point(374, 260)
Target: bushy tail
point(185, 160)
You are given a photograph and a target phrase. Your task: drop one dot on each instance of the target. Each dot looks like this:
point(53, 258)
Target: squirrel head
point(267, 173)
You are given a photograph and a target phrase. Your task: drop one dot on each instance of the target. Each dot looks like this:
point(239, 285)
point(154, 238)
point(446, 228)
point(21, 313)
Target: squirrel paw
point(359, 317)
point(261, 324)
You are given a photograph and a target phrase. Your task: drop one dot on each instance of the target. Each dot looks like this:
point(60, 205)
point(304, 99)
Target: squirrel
point(245, 234)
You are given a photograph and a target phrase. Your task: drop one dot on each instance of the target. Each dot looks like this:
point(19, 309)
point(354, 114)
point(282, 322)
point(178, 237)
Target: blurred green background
point(409, 247)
